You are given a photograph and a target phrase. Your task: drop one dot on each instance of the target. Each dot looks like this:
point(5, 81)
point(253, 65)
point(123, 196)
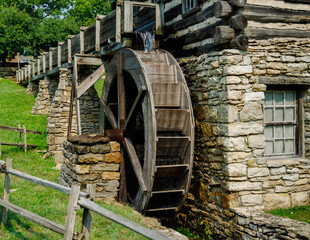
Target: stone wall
point(42, 105)
point(230, 169)
point(92, 159)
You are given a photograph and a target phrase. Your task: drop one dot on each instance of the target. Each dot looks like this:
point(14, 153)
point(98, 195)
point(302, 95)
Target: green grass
point(15, 107)
point(301, 213)
point(98, 86)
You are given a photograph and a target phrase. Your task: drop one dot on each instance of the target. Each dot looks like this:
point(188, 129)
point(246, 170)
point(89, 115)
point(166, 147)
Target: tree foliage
point(32, 26)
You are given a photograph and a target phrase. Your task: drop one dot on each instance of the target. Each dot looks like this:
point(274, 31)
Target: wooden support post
point(26, 74)
point(98, 25)
point(33, 68)
point(128, 17)
point(118, 23)
point(82, 39)
point(6, 194)
point(59, 54)
point(22, 74)
point(39, 66)
point(87, 214)
point(70, 48)
point(25, 138)
point(71, 213)
point(0, 147)
point(29, 71)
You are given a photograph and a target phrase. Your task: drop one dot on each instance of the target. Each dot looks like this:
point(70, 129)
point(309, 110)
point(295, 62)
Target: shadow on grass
point(16, 220)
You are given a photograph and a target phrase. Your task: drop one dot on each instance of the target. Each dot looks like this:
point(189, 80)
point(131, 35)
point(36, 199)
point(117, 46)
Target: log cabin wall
point(206, 28)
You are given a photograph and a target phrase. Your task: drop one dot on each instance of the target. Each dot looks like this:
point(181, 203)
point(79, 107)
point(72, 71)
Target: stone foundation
point(230, 169)
point(42, 105)
point(92, 159)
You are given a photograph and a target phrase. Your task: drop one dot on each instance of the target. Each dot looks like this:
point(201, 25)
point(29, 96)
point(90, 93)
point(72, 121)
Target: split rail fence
point(78, 199)
point(21, 131)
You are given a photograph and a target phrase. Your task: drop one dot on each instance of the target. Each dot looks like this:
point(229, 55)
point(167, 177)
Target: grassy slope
point(297, 213)
point(15, 107)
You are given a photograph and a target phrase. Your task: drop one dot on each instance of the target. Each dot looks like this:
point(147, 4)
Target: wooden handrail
point(19, 129)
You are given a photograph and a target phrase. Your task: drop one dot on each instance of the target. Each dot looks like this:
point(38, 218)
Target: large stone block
point(236, 170)
point(238, 70)
point(252, 200)
point(244, 186)
point(239, 129)
point(114, 157)
point(252, 111)
point(82, 169)
point(258, 172)
point(90, 158)
point(300, 199)
point(256, 141)
point(276, 200)
point(234, 144)
point(110, 176)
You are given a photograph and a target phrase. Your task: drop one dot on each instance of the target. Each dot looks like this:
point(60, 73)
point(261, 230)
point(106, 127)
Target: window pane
point(290, 114)
point(268, 98)
point(268, 132)
point(278, 148)
point(268, 147)
point(289, 98)
point(278, 132)
point(289, 146)
point(268, 114)
point(279, 115)
point(289, 131)
point(279, 98)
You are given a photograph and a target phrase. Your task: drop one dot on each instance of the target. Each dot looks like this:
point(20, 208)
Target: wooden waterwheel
point(146, 105)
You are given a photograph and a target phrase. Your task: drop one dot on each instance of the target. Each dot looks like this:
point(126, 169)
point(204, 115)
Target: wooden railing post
point(0, 147)
point(118, 22)
point(70, 48)
point(39, 65)
point(128, 17)
point(59, 54)
point(29, 71)
point(44, 62)
point(71, 213)
point(98, 25)
point(6, 194)
point(82, 39)
point(87, 214)
point(51, 59)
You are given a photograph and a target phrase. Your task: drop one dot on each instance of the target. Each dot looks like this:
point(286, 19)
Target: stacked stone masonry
point(96, 162)
point(230, 169)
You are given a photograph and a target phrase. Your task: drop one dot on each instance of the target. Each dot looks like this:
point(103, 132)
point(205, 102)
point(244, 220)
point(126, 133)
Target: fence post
point(6, 194)
point(71, 213)
point(0, 147)
point(87, 214)
point(20, 135)
point(25, 138)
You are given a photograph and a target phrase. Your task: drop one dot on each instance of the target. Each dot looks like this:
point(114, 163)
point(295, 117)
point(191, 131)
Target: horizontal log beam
point(267, 33)
point(19, 130)
point(284, 80)
point(19, 144)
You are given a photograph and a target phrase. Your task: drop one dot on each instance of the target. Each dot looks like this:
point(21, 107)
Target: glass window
point(188, 5)
point(280, 119)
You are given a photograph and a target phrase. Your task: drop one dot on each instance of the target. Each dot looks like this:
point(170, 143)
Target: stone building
point(247, 65)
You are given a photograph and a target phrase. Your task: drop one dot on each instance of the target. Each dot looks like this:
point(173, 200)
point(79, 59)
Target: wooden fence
point(77, 200)
point(21, 131)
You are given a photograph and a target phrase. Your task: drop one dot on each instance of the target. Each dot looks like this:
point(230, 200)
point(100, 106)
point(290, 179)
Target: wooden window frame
point(298, 122)
point(188, 12)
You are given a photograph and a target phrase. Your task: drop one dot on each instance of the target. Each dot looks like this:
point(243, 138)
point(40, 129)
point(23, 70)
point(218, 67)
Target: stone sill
point(280, 161)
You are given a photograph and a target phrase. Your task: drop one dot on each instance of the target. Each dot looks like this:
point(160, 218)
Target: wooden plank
point(135, 163)
point(139, 96)
point(171, 170)
point(98, 25)
point(109, 114)
point(167, 94)
point(70, 48)
point(128, 16)
point(0, 147)
point(39, 65)
point(172, 145)
point(90, 81)
point(171, 119)
point(158, 20)
point(151, 234)
point(175, 209)
point(43, 182)
point(71, 213)
point(121, 92)
point(266, 33)
point(19, 145)
point(87, 214)
point(157, 69)
point(59, 54)
point(179, 191)
point(19, 129)
point(44, 63)
point(77, 102)
point(284, 80)
point(82, 38)
point(6, 194)
point(33, 217)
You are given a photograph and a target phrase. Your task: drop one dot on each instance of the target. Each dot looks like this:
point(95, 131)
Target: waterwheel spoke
point(108, 112)
point(135, 162)
point(139, 96)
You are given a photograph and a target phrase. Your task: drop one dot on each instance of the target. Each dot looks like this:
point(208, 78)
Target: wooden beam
point(98, 26)
point(223, 34)
point(93, 60)
point(284, 80)
point(237, 3)
point(90, 81)
point(135, 163)
point(71, 213)
point(222, 9)
point(158, 20)
point(238, 22)
point(77, 102)
point(118, 23)
point(51, 58)
point(19, 129)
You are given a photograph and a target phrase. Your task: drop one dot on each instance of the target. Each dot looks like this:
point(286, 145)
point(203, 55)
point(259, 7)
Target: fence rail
point(21, 131)
point(77, 199)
